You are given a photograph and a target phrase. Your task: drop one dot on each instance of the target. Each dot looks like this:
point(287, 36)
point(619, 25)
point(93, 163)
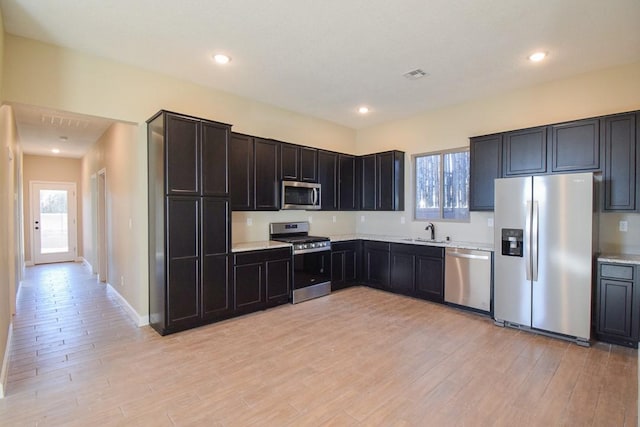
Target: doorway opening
point(53, 221)
point(102, 234)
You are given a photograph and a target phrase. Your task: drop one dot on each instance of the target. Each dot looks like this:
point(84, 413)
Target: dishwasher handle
point(468, 256)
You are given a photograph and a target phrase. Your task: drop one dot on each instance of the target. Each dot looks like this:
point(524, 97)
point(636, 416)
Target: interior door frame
point(102, 228)
point(72, 209)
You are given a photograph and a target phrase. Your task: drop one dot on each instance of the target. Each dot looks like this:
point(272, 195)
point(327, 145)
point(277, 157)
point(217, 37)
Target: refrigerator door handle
point(534, 242)
point(527, 241)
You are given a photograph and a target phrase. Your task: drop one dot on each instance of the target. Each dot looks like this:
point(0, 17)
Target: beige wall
point(55, 169)
point(112, 154)
point(90, 85)
point(9, 209)
point(587, 95)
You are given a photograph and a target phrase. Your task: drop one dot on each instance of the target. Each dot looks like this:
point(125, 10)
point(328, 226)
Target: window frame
point(441, 154)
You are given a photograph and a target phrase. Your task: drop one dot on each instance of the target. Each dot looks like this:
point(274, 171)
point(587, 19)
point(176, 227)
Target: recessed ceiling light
point(55, 150)
point(537, 56)
point(221, 59)
point(363, 110)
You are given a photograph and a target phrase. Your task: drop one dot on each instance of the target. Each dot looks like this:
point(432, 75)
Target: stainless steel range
point(311, 259)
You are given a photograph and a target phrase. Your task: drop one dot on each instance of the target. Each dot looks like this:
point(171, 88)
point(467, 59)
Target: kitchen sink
point(424, 240)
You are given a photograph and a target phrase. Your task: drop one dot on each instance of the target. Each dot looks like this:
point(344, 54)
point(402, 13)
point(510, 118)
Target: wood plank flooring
point(357, 357)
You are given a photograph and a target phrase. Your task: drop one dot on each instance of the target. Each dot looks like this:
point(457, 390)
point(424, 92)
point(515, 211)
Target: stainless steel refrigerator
point(544, 249)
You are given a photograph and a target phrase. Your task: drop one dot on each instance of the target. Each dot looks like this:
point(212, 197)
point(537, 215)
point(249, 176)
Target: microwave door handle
point(314, 197)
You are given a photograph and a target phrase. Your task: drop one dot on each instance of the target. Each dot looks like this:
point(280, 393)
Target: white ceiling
point(325, 58)
point(41, 130)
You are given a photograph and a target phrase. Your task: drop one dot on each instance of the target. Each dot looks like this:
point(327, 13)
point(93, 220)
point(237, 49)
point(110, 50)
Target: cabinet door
point(278, 281)
point(368, 182)
point(350, 263)
point(525, 152)
point(289, 158)
point(327, 177)
point(308, 164)
point(241, 173)
point(182, 262)
point(182, 155)
point(377, 264)
point(615, 311)
point(390, 181)
point(620, 167)
point(337, 270)
point(347, 189)
point(403, 265)
point(247, 286)
point(429, 278)
point(214, 159)
point(216, 287)
point(486, 166)
point(266, 175)
point(575, 146)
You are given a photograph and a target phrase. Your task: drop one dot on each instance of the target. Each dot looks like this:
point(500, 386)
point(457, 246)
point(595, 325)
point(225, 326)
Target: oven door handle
point(311, 250)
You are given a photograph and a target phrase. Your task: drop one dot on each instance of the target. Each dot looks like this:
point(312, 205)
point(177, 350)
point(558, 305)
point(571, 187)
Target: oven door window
point(311, 269)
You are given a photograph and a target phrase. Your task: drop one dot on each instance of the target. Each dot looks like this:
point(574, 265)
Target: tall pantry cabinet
point(189, 222)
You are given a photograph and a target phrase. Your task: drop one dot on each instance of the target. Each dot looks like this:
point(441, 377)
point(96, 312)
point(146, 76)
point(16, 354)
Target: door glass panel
point(54, 235)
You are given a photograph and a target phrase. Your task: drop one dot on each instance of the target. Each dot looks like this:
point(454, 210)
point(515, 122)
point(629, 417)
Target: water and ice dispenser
point(512, 241)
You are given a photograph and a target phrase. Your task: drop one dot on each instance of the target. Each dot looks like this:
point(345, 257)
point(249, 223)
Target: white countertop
point(268, 244)
point(620, 258)
point(258, 246)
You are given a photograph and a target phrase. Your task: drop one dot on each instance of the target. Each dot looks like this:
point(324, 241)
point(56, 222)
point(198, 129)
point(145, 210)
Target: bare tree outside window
point(442, 185)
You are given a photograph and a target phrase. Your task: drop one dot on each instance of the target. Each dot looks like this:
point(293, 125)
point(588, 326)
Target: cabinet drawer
point(259, 256)
point(380, 246)
point(615, 271)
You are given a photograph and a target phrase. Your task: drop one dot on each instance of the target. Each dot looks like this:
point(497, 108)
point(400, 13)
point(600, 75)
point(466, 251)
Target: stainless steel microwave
point(300, 195)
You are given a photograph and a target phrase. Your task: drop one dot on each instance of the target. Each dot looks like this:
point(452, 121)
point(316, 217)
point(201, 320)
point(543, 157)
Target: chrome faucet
point(431, 227)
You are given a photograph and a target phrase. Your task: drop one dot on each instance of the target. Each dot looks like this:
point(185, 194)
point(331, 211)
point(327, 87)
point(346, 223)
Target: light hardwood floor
point(357, 357)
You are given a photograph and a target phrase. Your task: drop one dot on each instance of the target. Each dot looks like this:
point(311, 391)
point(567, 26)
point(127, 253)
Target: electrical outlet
point(624, 226)
point(249, 222)
point(361, 218)
point(489, 222)
point(122, 281)
point(130, 223)
point(310, 219)
point(334, 218)
point(401, 220)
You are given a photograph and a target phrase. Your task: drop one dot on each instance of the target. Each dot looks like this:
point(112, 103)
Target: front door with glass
point(53, 221)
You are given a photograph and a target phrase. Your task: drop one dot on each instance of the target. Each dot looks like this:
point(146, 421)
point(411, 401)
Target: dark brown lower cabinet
point(430, 277)
point(414, 270)
point(345, 264)
point(618, 304)
point(417, 270)
point(377, 264)
point(261, 279)
point(403, 269)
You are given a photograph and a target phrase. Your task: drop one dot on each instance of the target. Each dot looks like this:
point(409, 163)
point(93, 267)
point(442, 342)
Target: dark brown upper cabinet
point(575, 146)
point(196, 158)
point(241, 174)
point(390, 181)
point(254, 175)
point(486, 166)
point(328, 178)
point(621, 162)
point(347, 183)
point(381, 178)
point(525, 152)
point(298, 163)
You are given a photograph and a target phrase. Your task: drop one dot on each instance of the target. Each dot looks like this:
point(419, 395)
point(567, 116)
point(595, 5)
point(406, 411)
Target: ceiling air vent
point(415, 74)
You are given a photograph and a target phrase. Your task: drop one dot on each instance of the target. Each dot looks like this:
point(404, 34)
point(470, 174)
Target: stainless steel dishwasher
point(467, 278)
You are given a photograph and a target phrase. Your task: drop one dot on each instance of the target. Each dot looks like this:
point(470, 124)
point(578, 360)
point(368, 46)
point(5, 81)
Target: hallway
point(356, 357)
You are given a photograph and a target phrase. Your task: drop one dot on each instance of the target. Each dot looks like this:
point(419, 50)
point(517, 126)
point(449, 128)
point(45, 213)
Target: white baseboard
point(28, 263)
point(4, 373)
point(139, 320)
point(86, 264)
